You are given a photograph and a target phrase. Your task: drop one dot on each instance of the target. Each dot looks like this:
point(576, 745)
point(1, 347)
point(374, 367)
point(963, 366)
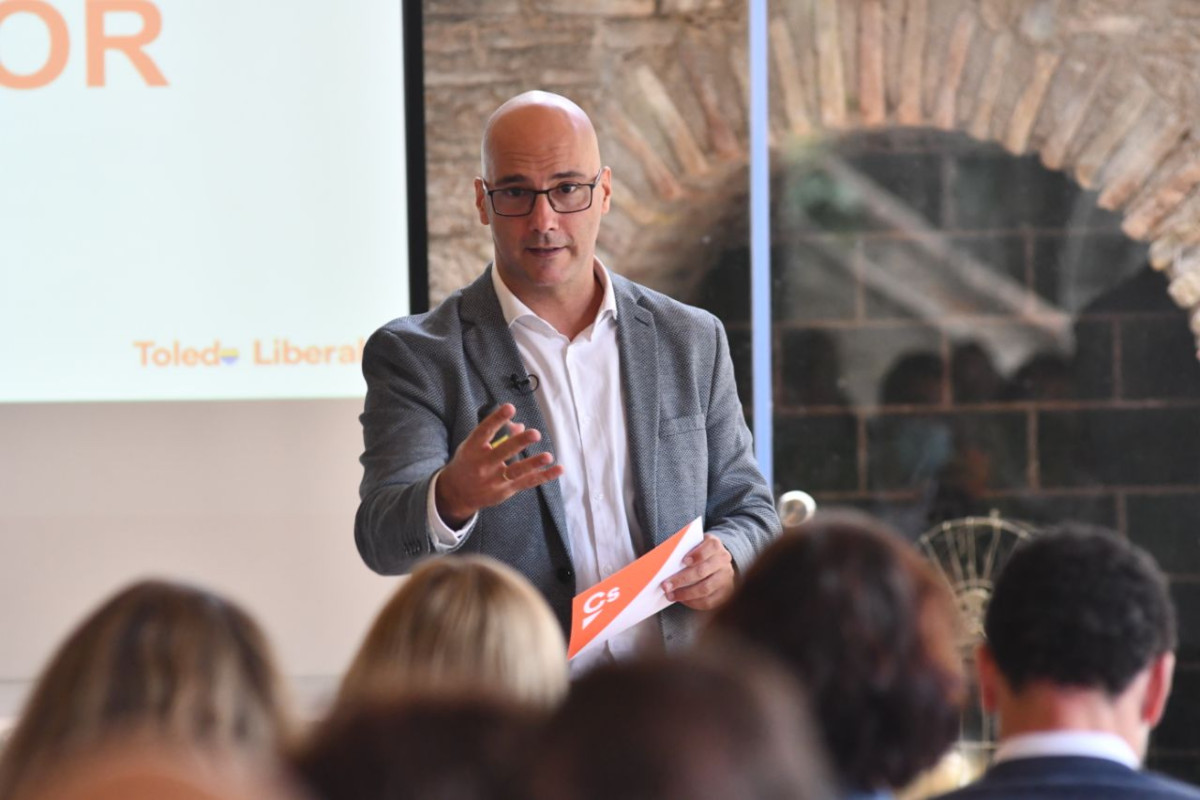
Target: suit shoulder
point(1140, 785)
point(427, 329)
point(664, 307)
point(1166, 787)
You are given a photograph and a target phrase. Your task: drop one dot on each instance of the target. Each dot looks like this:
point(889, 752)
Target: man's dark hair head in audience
point(441, 747)
point(1077, 665)
point(870, 629)
point(1079, 608)
point(678, 728)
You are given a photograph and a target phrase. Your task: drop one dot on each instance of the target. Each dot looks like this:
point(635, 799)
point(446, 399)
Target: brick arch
point(1080, 90)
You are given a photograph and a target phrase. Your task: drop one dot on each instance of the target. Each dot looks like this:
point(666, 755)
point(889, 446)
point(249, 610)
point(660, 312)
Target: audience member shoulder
point(1167, 787)
point(1102, 784)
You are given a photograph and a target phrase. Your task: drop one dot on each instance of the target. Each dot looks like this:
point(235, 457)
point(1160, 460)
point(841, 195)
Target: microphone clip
point(524, 384)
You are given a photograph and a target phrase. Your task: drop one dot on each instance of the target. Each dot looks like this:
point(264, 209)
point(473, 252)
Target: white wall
point(253, 499)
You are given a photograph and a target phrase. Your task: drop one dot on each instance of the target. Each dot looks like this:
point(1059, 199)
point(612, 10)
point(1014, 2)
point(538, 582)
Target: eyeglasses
point(565, 198)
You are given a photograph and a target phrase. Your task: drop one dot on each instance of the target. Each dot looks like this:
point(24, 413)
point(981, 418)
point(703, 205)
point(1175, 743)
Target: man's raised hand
point(479, 475)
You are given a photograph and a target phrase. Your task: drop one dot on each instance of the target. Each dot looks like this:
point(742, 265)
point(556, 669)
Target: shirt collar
point(514, 310)
point(1093, 744)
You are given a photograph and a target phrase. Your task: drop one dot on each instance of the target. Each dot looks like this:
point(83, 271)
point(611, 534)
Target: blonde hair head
point(161, 660)
point(462, 624)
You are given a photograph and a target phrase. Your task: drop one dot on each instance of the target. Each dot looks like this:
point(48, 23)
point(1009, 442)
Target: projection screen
point(203, 214)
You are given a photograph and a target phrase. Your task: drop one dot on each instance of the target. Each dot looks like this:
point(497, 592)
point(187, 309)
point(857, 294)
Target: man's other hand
point(707, 577)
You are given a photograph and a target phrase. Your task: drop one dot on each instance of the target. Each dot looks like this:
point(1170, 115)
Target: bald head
point(540, 158)
point(540, 119)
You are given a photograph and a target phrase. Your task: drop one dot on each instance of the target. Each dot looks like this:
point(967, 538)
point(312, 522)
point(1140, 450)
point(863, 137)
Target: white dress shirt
point(579, 393)
point(1093, 744)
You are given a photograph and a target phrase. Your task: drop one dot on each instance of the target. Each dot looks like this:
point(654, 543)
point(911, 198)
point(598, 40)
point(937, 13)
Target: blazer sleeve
point(739, 508)
point(405, 441)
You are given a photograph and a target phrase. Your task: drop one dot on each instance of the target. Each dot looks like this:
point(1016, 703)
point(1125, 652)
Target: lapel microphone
point(524, 384)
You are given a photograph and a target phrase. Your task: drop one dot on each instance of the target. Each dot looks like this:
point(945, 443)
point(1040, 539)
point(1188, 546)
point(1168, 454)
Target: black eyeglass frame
point(549, 199)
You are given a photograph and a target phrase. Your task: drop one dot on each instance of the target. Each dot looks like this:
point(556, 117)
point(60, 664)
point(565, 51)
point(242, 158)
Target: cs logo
point(596, 603)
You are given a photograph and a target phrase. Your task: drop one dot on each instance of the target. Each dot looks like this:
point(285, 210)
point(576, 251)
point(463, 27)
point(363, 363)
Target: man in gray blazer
point(553, 414)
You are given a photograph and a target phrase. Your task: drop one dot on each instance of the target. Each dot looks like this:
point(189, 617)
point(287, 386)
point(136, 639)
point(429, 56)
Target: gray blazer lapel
point(493, 355)
point(637, 340)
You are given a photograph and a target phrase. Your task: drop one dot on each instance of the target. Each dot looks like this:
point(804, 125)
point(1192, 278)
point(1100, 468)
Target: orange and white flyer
point(627, 597)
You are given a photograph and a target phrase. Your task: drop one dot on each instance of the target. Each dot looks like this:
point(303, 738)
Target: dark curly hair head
point(869, 628)
point(1079, 606)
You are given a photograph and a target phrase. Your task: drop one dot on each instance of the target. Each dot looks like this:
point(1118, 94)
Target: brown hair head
point(699, 727)
point(436, 747)
point(123, 770)
point(869, 628)
point(174, 662)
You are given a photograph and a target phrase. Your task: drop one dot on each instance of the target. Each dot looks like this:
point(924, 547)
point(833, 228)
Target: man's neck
point(569, 309)
point(1046, 709)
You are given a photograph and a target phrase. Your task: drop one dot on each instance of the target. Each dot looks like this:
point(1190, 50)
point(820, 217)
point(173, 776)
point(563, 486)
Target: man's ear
point(605, 188)
point(1158, 688)
point(481, 202)
point(989, 678)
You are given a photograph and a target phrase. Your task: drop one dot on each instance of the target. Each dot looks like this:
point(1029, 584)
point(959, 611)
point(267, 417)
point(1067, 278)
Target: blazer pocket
point(682, 467)
point(678, 425)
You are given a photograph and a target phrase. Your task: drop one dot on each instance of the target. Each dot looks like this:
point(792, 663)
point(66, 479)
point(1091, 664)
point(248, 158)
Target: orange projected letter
point(98, 41)
point(145, 348)
point(60, 44)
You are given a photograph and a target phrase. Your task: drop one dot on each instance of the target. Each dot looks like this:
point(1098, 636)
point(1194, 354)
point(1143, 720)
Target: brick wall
point(923, 418)
point(1105, 91)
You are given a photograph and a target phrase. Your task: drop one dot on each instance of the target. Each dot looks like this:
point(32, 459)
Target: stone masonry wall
point(1104, 90)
